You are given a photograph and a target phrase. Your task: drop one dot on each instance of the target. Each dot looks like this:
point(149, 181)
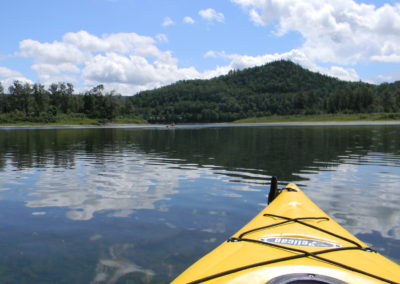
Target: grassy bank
point(61, 120)
point(322, 118)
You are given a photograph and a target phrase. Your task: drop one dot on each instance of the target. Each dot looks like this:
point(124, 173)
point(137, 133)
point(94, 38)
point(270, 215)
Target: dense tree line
point(278, 88)
point(35, 103)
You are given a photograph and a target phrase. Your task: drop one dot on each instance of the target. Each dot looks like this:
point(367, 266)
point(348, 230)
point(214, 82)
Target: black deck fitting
point(273, 190)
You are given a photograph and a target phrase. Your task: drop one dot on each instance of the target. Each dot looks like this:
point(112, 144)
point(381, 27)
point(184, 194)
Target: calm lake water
point(129, 205)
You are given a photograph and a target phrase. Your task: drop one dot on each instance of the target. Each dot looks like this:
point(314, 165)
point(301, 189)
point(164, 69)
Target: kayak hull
point(292, 237)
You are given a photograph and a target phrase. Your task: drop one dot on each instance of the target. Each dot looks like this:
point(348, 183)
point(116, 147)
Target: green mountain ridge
point(278, 88)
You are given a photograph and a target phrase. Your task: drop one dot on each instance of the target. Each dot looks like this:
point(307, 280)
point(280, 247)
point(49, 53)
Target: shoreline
point(273, 120)
point(201, 125)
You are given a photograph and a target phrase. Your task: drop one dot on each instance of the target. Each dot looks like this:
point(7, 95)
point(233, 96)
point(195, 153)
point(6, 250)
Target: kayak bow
point(292, 241)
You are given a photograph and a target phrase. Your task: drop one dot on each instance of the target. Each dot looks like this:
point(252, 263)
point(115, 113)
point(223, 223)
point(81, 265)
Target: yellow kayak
point(292, 241)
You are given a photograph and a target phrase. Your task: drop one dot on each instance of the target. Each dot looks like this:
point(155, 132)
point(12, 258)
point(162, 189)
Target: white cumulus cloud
point(125, 43)
point(126, 62)
point(8, 73)
point(135, 71)
point(211, 15)
point(340, 31)
point(8, 76)
point(55, 68)
point(55, 52)
point(188, 20)
point(167, 22)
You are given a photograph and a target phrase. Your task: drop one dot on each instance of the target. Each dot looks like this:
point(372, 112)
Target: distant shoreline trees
point(278, 88)
point(35, 103)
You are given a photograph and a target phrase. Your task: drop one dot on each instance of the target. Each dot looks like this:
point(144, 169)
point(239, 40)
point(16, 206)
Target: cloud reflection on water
point(364, 196)
point(121, 185)
point(131, 182)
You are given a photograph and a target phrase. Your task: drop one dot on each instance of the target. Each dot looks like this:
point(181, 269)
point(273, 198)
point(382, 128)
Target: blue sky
point(133, 45)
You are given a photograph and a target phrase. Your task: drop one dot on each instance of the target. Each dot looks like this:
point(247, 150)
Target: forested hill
point(281, 87)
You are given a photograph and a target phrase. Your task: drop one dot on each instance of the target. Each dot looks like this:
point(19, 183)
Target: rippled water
point(128, 205)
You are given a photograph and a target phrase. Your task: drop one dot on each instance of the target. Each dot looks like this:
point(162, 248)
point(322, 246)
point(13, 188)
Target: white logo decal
point(299, 242)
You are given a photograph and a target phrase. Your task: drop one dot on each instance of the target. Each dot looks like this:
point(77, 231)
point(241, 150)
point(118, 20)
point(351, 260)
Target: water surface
point(126, 205)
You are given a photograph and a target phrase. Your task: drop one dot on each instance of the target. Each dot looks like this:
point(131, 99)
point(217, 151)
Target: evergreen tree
point(21, 97)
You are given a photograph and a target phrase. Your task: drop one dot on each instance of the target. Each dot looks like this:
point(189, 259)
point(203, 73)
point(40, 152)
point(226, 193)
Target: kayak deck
point(292, 236)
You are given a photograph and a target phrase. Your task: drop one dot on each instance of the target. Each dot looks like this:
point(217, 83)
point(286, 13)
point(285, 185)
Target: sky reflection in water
point(118, 205)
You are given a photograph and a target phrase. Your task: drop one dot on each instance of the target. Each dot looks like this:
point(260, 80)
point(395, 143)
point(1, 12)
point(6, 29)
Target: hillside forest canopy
point(278, 88)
